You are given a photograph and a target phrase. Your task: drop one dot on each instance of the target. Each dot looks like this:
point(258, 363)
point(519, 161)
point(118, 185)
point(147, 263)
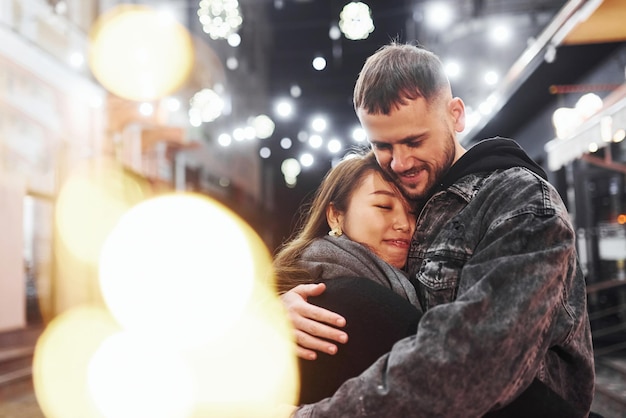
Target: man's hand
point(309, 322)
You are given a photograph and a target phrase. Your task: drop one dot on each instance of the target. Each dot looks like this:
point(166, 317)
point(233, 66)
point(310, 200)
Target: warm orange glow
point(186, 259)
point(61, 359)
point(621, 219)
point(91, 202)
point(140, 54)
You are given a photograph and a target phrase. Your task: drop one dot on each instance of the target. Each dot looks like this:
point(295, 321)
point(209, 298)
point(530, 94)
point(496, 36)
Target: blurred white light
point(307, 160)
point(593, 147)
point(284, 108)
point(334, 33)
point(315, 141)
point(295, 91)
point(285, 143)
point(264, 126)
point(290, 167)
point(334, 145)
point(194, 118)
point(96, 101)
point(500, 34)
point(606, 128)
point(359, 134)
point(319, 63)
point(491, 77)
point(219, 18)
point(224, 140)
point(319, 124)
point(232, 63)
point(173, 104)
point(438, 15)
point(249, 132)
point(471, 118)
point(77, 59)
point(355, 20)
point(452, 69)
point(588, 104)
point(485, 108)
point(60, 8)
point(239, 134)
point(619, 135)
point(303, 136)
point(550, 54)
point(208, 103)
point(146, 109)
point(234, 40)
point(265, 152)
point(565, 121)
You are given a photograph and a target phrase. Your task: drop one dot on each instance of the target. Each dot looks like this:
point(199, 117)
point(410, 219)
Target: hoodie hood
point(489, 155)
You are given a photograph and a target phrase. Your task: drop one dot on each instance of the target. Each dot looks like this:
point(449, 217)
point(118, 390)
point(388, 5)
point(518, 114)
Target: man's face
point(415, 143)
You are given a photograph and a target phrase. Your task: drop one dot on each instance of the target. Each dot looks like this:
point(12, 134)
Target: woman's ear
point(334, 217)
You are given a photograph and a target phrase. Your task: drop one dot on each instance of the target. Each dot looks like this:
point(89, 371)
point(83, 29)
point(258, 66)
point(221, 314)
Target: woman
point(360, 262)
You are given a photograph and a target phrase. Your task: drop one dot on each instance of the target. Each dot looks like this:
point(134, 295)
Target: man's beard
point(435, 174)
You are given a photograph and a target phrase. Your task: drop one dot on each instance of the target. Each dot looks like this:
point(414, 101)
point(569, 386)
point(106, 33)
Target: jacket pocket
point(439, 276)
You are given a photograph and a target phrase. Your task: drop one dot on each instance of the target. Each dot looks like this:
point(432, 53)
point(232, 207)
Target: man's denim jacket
point(495, 265)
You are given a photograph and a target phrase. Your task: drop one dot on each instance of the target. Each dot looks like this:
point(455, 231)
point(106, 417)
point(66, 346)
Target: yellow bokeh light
point(174, 265)
point(91, 202)
point(252, 368)
point(130, 377)
point(140, 54)
point(61, 359)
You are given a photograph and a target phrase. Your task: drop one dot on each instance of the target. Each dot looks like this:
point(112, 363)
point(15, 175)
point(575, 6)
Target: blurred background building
point(264, 110)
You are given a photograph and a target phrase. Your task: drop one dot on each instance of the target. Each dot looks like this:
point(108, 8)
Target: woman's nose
point(402, 223)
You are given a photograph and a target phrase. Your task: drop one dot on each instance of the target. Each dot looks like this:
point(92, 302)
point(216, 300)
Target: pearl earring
point(335, 232)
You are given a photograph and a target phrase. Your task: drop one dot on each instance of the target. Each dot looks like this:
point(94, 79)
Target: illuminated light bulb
point(207, 105)
point(90, 203)
point(316, 141)
point(264, 126)
point(185, 258)
point(61, 360)
point(265, 152)
point(224, 140)
point(334, 146)
point(355, 21)
point(285, 143)
point(359, 134)
point(140, 54)
point(588, 105)
point(319, 63)
point(307, 159)
point(319, 124)
point(290, 168)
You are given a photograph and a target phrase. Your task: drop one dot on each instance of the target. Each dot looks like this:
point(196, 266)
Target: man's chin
point(412, 191)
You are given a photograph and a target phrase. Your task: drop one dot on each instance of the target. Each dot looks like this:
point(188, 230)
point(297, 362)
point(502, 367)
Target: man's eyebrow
point(405, 140)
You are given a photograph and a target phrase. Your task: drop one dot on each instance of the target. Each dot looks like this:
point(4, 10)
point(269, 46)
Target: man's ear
point(334, 217)
point(456, 108)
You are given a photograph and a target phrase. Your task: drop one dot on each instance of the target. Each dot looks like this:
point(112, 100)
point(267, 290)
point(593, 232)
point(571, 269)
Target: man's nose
point(399, 161)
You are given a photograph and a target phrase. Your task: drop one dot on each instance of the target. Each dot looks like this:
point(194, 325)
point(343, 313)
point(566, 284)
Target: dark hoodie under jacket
point(488, 155)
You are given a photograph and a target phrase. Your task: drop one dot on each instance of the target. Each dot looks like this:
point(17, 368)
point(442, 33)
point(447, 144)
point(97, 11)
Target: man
point(493, 260)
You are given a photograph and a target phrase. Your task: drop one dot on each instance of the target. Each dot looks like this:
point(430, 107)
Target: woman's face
point(379, 218)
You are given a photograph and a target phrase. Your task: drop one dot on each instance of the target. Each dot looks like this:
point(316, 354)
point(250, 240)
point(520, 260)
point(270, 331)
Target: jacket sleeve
point(484, 348)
